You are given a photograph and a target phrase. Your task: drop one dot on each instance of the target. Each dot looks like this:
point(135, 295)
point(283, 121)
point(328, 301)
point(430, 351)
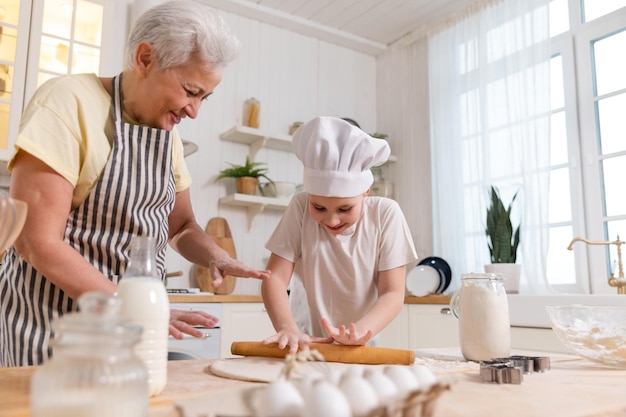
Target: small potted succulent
point(246, 176)
point(503, 241)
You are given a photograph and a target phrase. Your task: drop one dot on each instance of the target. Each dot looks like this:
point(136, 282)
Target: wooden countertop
point(210, 298)
point(573, 387)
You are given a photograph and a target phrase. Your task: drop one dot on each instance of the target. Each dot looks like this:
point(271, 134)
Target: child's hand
point(295, 339)
point(346, 337)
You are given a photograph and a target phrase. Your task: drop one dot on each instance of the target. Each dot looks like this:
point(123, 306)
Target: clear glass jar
point(482, 307)
point(93, 371)
point(251, 112)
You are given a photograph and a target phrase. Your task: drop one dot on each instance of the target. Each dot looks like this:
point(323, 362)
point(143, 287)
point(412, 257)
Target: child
point(350, 250)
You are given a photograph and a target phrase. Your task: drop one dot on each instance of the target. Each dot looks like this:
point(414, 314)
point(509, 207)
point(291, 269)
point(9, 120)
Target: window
point(588, 143)
point(493, 124)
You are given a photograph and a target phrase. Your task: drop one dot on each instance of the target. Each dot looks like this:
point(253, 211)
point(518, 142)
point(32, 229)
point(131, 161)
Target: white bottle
point(145, 302)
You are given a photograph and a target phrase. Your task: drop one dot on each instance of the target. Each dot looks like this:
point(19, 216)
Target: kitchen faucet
point(619, 282)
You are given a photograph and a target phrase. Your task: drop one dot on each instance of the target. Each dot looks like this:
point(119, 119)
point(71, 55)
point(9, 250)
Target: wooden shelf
point(255, 204)
point(257, 139)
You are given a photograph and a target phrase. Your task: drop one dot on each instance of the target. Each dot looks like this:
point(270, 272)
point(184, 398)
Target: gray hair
point(179, 28)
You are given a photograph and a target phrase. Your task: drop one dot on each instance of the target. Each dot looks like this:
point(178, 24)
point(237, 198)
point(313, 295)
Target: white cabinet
point(431, 326)
point(243, 322)
point(421, 326)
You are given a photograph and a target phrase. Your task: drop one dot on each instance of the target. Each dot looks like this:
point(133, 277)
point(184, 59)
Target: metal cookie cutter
point(510, 370)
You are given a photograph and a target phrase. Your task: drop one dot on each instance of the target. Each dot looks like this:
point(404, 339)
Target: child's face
point(336, 214)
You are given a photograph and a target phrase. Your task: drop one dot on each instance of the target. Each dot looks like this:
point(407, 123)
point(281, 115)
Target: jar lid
point(97, 319)
point(489, 276)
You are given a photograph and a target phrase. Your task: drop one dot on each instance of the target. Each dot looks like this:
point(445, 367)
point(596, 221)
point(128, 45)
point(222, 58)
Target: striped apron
point(134, 196)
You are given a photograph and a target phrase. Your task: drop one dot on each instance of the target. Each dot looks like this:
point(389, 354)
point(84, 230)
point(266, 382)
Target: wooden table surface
point(574, 387)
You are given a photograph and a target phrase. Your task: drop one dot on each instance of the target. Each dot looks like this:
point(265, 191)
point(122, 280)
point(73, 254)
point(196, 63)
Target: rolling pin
point(364, 355)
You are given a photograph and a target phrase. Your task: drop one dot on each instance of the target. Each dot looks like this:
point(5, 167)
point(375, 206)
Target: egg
point(382, 384)
point(279, 398)
point(333, 376)
point(402, 376)
point(326, 400)
point(424, 376)
point(360, 394)
point(305, 384)
point(355, 370)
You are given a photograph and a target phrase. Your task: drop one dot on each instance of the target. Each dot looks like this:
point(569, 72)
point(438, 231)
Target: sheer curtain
point(489, 74)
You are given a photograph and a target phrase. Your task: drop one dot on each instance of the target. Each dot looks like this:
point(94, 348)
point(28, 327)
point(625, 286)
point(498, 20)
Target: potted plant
point(246, 176)
point(503, 241)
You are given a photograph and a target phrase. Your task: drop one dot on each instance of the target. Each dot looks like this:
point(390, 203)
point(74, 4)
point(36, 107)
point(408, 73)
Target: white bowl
point(278, 189)
point(596, 332)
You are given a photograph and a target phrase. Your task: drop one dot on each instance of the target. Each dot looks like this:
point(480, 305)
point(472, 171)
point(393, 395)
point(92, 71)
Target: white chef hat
point(337, 157)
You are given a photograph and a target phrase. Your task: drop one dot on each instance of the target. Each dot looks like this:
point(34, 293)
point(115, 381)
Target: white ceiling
point(366, 25)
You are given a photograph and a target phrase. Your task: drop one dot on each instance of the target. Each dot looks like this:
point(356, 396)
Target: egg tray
point(416, 403)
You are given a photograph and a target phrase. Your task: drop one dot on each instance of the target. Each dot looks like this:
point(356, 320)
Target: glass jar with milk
point(482, 307)
point(145, 302)
point(93, 371)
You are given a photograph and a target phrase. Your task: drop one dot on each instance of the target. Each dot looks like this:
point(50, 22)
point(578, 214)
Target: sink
point(530, 310)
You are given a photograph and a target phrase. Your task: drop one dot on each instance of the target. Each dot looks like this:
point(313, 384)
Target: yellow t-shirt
point(68, 124)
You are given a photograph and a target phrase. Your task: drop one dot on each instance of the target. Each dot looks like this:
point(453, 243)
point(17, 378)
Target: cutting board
point(217, 228)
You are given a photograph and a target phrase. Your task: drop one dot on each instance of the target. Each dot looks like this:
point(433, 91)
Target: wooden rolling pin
point(332, 353)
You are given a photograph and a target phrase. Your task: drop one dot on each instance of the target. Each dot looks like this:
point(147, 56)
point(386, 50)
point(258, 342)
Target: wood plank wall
point(295, 78)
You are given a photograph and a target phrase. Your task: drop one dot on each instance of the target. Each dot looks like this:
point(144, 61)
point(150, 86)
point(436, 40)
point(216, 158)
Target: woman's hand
point(345, 336)
point(187, 238)
point(183, 321)
point(222, 264)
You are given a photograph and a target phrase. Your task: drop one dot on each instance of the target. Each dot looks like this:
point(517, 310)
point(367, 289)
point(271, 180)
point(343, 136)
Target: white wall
point(402, 112)
point(295, 78)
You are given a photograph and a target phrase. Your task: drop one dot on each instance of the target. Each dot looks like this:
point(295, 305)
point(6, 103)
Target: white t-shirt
point(340, 273)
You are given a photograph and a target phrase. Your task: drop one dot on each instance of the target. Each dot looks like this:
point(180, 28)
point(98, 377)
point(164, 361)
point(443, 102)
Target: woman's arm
point(187, 238)
point(41, 242)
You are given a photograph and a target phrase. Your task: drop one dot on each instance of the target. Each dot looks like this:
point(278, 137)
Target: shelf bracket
point(253, 210)
point(255, 146)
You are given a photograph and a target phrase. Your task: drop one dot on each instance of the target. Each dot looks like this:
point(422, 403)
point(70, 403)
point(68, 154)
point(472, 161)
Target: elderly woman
point(99, 160)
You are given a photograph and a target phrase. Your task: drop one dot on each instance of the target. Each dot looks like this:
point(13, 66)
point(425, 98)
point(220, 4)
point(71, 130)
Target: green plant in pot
point(246, 176)
point(503, 241)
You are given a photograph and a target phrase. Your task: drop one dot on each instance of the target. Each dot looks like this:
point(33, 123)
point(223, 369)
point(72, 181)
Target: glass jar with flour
point(482, 307)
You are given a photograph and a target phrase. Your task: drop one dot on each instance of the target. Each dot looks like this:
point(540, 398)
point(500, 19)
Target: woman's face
point(166, 97)
point(336, 214)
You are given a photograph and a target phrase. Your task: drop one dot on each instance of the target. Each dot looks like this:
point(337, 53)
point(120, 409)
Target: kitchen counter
point(574, 387)
point(210, 298)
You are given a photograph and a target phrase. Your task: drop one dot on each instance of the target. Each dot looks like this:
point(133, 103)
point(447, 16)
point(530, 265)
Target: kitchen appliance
point(206, 347)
